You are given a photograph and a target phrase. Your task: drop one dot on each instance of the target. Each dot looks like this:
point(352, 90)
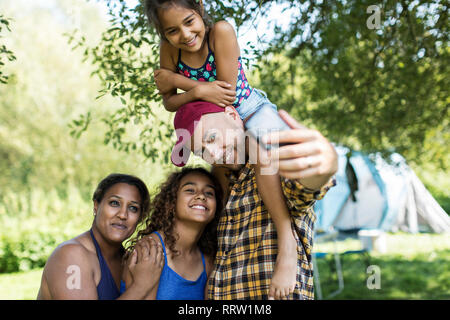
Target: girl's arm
point(226, 52)
point(171, 99)
point(218, 92)
point(167, 80)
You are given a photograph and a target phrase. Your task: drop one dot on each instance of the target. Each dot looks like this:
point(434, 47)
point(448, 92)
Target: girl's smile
point(192, 42)
point(196, 198)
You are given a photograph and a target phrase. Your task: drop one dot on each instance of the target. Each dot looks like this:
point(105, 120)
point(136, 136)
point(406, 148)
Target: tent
point(374, 194)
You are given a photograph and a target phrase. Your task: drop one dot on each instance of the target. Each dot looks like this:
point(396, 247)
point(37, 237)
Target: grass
point(414, 267)
point(20, 285)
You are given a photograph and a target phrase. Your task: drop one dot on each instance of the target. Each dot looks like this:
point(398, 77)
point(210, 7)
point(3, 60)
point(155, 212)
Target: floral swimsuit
point(208, 72)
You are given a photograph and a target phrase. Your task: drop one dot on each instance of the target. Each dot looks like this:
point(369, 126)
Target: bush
point(35, 222)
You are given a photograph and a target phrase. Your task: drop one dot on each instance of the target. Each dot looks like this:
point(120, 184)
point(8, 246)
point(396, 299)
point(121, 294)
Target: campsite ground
point(414, 267)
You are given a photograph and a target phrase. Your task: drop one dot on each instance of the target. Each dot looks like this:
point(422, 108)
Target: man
point(247, 241)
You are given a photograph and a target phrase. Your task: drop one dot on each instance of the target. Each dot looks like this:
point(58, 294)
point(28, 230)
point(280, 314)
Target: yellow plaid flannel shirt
point(247, 240)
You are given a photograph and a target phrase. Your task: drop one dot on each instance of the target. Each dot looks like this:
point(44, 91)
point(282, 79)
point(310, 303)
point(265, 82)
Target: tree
point(372, 77)
point(4, 52)
point(49, 86)
point(374, 86)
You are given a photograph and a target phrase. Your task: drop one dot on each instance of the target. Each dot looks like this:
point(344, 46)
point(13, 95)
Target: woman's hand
point(126, 274)
point(217, 92)
point(163, 80)
point(144, 265)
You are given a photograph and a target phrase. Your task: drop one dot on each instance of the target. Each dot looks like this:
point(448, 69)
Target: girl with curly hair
point(183, 219)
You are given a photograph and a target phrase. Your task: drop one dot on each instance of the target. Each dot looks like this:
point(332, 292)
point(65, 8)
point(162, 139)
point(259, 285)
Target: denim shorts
point(255, 101)
point(265, 116)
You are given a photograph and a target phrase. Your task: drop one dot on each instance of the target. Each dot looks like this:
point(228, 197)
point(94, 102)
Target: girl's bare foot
point(284, 276)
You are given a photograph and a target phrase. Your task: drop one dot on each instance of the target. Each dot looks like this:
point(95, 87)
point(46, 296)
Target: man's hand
point(217, 92)
point(308, 156)
point(163, 80)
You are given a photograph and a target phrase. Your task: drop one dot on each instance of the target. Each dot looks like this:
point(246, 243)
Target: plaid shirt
point(247, 240)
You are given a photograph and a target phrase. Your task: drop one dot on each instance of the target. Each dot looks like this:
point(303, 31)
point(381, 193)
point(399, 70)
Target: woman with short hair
point(90, 266)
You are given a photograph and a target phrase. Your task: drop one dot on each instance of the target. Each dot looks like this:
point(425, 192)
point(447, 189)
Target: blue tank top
point(106, 288)
point(208, 72)
point(172, 286)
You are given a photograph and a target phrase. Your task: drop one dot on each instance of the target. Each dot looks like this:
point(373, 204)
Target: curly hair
point(163, 208)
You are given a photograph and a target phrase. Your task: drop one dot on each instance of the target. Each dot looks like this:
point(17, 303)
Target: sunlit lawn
point(20, 286)
point(414, 267)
